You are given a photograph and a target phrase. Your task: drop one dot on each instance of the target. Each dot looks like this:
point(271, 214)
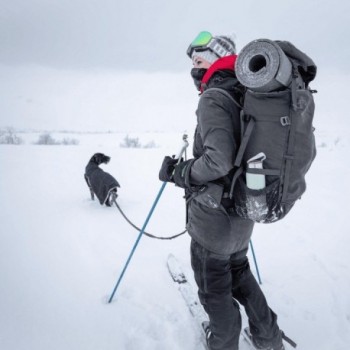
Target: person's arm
point(215, 113)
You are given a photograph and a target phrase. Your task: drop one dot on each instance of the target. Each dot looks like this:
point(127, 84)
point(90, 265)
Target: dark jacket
point(210, 222)
point(100, 182)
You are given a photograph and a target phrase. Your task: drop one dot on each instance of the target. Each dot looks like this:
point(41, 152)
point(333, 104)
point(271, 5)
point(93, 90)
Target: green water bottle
point(256, 181)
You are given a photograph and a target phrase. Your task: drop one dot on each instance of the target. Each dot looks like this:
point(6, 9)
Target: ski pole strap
point(288, 340)
point(144, 232)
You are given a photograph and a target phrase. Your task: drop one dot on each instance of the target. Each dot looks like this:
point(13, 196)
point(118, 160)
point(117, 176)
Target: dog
point(101, 183)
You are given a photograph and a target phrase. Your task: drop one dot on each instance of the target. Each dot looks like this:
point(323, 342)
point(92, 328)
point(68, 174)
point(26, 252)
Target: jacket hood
point(224, 63)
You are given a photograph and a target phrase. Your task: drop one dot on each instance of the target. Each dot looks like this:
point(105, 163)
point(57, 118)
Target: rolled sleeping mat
point(262, 66)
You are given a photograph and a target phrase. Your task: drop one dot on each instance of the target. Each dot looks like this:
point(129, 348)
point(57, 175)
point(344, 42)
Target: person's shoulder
point(209, 98)
point(217, 94)
point(213, 92)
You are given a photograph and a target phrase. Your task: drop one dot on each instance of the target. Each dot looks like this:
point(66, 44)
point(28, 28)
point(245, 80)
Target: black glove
point(181, 175)
point(167, 169)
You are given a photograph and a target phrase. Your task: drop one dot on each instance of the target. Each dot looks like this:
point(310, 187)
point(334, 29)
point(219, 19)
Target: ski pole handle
point(183, 147)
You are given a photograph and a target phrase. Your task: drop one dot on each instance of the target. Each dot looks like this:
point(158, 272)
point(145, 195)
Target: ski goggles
point(205, 41)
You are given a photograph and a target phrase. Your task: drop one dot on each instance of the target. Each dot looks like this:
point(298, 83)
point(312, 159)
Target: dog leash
point(138, 229)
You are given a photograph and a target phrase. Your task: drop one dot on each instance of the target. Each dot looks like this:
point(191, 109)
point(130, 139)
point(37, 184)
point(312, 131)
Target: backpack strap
point(291, 138)
point(227, 94)
point(242, 147)
point(245, 139)
point(236, 175)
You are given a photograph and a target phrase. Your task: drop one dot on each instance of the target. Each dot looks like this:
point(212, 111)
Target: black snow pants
point(222, 281)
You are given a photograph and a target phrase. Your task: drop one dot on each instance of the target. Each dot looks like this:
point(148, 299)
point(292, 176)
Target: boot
point(248, 336)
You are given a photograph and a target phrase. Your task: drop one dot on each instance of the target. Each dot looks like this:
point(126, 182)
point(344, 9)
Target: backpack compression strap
point(291, 142)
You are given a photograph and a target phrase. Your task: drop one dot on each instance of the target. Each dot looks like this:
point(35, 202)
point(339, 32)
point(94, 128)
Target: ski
point(246, 335)
point(189, 295)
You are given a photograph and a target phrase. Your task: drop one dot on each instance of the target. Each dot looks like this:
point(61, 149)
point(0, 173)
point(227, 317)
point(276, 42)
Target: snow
point(61, 253)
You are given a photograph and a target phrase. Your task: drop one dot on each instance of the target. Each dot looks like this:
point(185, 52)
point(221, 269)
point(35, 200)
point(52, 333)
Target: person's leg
point(262, 320)
point(213, 276)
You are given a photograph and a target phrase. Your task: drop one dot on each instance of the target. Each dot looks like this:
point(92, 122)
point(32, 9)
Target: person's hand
point(167, 169)
point(181, 173)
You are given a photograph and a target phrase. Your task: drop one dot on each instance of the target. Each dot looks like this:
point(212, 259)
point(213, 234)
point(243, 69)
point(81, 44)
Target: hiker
point(219, 237)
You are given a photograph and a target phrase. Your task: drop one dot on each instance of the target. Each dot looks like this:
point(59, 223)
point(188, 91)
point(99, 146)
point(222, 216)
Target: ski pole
point(178, 156)
point(184, 137)
point(256, 264)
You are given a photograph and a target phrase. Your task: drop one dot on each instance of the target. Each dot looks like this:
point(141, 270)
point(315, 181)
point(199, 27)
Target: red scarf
point(227, 62)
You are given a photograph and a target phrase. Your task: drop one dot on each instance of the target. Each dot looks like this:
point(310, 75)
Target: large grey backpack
point(276, 123)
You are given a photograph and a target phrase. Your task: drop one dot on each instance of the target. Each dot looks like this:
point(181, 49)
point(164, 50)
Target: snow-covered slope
point(61, 253)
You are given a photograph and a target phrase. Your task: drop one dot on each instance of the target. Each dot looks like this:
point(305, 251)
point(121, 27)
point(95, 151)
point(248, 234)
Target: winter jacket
point(211, 223)
point(100, 182)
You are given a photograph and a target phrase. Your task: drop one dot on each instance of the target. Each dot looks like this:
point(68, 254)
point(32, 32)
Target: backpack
point(277, 145)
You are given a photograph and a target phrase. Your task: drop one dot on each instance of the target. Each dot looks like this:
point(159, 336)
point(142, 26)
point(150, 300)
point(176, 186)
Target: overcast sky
point(154, 34)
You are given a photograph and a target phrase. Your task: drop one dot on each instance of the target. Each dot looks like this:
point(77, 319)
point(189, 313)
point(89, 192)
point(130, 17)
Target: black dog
point(101, 183)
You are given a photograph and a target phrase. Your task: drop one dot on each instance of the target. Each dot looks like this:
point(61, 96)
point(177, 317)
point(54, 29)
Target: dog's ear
point(97, 158)
point(106, 159)
point(100, 158)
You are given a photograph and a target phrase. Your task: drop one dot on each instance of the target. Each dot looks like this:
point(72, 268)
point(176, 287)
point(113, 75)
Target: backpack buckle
point(285, 120)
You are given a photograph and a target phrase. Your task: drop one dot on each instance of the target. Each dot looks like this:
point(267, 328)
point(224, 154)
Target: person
point(219, 237)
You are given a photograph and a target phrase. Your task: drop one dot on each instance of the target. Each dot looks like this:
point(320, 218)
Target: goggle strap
point(217, 48)
point(213, 45)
